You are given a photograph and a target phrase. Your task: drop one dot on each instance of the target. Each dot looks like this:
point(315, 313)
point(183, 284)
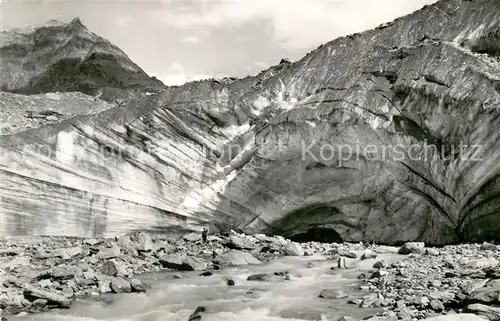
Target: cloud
point(296, 24)
point(261, 64)
point(257, 66)
point(124, 21)
point(177, 75)
point(192, 40)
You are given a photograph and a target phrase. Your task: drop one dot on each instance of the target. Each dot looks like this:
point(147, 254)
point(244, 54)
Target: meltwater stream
point(174, 299)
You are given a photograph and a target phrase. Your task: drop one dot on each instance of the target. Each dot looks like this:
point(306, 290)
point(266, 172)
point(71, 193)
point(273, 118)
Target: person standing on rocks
point(204, 235)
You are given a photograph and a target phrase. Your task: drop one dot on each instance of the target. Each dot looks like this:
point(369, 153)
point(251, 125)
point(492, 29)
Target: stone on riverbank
point(32, 293)
point(182, 262)
point(235, 258)
point(120, 285)
point(293, 249)
point(412, 248)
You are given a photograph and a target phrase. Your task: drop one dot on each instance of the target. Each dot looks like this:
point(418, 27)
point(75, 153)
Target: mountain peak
point(66, 56)
point(77, 23)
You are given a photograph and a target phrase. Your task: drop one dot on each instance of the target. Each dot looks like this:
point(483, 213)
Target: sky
point(179, 41)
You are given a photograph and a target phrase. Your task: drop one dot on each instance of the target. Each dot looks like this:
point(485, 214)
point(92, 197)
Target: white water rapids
point(173, 299)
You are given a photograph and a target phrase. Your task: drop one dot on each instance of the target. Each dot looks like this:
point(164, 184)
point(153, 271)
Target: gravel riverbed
point(44, 273)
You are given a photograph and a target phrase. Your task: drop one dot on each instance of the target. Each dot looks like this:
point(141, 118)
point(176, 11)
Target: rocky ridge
point(230, 154)
point(67, 57)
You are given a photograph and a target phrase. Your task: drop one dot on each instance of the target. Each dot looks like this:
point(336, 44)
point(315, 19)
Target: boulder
point(142, 241)
point(234, 258)
point(240, 242)
point(259, 277)
point(17, 262)
point(333, 294)
point(182, 262)
point(139, 286)
point(436, 305)
point(483, 263)
point(108, 253)
point(59, 273)
point(109, 268)
point(104, 286)
point(489, 247)
point(293, 249)
point(120, 285)
point(32, 293)
point(443, 296)
point(68, 253)
point(489, 294)
point(432, 252)
point(489, 312)
point(412, 248)
point(381, 249)
point(196, 315)
point(192, 237)
point(368, 254)
point(346, 263)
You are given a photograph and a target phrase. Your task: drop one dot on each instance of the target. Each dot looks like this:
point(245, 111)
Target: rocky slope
point(255, 153)
point(19, 113)
point(68, 57)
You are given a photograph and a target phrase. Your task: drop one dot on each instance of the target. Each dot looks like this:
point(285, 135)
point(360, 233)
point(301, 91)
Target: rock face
point(68, 57)
point(362, 139)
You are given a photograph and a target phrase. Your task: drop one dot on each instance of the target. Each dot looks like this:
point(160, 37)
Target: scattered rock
point(419, 286)
point(196, 315)
point(120, 285)
point(68, 253)
point(109, 253)
point(183, 262)
point(143, 241)
point(38, 304)
point(350, 255)
point(192, 237)
point(368, 254)
point(432, 252)
point(109, 268)
point(240, 242)
point(259, 277)
point(483, 263)
point(346, 263)
point(293, 249)
point(489, 312)
point(412, 248)
point(139, 286)
point(32, 293)
point(104, 286)
point(489, 294)
point(437, 305)
point(333, 294)
point(234, 258)
point(489, 247)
